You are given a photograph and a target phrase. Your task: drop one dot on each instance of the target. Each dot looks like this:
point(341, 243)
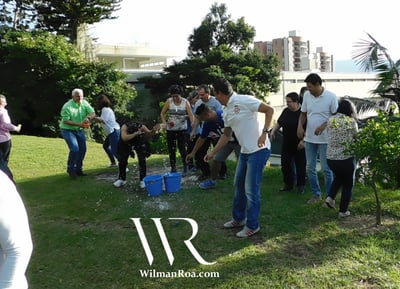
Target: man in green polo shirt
point(76, 115)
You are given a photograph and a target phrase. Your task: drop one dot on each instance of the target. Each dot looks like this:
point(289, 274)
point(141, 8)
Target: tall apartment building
point(296, 53)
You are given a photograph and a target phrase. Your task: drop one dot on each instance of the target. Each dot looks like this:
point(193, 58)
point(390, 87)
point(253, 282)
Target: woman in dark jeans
point(293, 158)
point(134, 139)
point(342, 129)
point(178, 110)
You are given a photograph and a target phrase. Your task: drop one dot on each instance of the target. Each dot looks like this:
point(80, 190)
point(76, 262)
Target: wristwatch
point(266, 130)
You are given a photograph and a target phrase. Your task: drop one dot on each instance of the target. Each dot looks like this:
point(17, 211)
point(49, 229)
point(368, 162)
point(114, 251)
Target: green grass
point(84, 238)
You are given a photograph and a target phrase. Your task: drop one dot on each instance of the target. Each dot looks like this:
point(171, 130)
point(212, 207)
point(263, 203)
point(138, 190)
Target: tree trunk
point(378, 205)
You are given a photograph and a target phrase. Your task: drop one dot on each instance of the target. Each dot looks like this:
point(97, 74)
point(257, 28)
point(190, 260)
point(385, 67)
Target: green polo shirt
point(74, 112)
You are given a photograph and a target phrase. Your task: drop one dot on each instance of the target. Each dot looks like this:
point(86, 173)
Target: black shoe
point(285, 189)
point(72, 175)
point(81, 174)
point(300, 190)
point(222, 177)
point(203, 177)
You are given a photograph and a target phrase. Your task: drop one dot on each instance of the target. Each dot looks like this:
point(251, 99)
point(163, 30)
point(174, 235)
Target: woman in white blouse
point(111, 128)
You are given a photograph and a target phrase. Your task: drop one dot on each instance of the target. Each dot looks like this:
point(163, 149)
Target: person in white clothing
point(318, 105)
point(111, 128)
point(5, 137)
point(15, 237)
point(241, 116)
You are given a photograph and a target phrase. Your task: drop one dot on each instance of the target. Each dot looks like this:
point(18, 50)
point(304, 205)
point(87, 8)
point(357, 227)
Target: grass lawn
point(84, 236)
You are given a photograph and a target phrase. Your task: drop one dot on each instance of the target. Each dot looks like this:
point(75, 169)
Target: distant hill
point(346, 66)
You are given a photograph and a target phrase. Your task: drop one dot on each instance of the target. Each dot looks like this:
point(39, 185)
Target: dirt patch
point(366, 224)
point(132, 176)
point(136, 194)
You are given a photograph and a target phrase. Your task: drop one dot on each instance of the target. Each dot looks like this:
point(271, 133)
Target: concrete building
point(357, 85)
point(135, 56)
point(296, 53)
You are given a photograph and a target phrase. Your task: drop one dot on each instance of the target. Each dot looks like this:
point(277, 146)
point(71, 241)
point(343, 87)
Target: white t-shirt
point(241, 114)
point(108, 116)
point(319, 110)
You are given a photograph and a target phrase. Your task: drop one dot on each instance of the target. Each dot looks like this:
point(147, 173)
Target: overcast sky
point(335, 25)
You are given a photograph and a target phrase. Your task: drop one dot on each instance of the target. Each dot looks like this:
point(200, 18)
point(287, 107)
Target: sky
point(336, 25)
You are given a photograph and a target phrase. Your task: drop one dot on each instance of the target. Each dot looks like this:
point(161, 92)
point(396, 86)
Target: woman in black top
point(134, 139)
point(293, 158)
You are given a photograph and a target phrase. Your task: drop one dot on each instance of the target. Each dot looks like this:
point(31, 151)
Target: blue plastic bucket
point(172, 182)
point(153, 185)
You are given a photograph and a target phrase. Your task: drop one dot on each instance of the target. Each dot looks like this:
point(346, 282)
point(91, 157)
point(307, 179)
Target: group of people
point(121, 141)
point(321, 127)
point(315, 126)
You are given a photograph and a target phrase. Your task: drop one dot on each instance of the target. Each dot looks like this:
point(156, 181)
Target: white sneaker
point(344, 215)
point(329, 202)
point(142, 185)
point(119, 183)
point(234, 224)
point(247, 232)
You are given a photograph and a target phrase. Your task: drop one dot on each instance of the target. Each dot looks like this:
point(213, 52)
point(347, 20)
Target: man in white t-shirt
point(318, 105)
point(241, 116)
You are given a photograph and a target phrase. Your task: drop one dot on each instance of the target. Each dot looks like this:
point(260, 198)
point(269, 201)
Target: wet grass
point(84, 236)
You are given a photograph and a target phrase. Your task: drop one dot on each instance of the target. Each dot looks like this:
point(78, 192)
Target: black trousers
point(343, 177)
point(204, 166)
point(124, 151)
point(5, 149)
point(190, 143)
point(292, 158)
point(174, 139)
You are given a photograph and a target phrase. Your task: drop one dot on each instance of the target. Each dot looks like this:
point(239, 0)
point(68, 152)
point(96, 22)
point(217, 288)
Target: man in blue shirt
point(213, 127)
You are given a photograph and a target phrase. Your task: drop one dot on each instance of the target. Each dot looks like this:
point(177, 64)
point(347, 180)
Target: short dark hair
point(347, 107)
point(293, 96)
point(313, 78)
point(303, 90)
point(222, 85)
point(205, 87)
point(175, 89)
point(103, 101)
point(202, 108)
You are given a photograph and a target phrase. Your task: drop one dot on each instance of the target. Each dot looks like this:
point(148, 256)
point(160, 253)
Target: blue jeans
point(76, 142)
point(110, 145)
point(246, 202)
point(312, 151)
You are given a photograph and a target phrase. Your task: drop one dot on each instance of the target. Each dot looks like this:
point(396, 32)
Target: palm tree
point(370, 55)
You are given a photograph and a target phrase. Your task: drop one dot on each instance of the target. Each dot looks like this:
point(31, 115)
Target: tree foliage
point(370, 55)
point(378, 145)
point(65, 17)
point(18, 14)
point(61, 17)
point(218, 29)
point(221, 47)
point(38, 72)
point(378, 149)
